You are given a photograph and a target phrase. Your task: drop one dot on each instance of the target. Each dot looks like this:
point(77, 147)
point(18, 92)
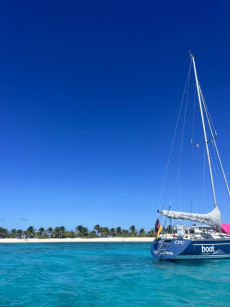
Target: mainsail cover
point(212, 218)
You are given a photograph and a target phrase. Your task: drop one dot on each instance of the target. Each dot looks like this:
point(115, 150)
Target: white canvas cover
point(212, 218)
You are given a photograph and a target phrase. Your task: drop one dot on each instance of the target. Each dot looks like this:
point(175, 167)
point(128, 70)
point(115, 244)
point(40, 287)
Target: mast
point(204, 129)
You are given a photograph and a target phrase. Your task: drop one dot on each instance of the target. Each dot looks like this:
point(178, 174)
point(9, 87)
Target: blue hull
point(187, 249)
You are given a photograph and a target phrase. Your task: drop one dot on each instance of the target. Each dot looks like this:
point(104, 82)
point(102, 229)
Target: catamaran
point(212, 238)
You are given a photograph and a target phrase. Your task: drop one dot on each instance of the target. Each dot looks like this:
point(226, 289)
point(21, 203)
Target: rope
point(197, 177)
point(215, 161)
point(194, 112)
point(182, 142)
point(206, 112)
point(209, 118)
point(203, 179)
point(174, 134)
point(214, 165)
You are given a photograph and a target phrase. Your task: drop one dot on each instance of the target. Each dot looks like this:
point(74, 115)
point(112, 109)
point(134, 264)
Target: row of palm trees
point(80, 231)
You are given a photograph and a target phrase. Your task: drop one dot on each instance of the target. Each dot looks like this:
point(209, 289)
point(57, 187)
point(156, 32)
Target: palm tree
point(3, 232)
point(19, 233)
point(62, 231)
point(84, 231)
point(79, 230)
point(104, 231)
point(132, 230)
point(97, 228)
point(142, 232)
point(118, 231)
point(49, 231)
point(13, 233)
point(112, 232)
point(30, 232)
point(56, 232)
point(125, 233)
point(151, 233)
point(41, 231)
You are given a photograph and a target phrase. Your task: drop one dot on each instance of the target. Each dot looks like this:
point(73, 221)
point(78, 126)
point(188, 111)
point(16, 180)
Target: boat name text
point(208, 249)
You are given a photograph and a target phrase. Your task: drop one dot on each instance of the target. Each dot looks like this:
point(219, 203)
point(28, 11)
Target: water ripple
point(102, 274)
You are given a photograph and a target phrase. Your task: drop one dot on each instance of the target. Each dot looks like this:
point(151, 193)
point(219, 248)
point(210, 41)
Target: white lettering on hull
point(208, 249)
point(179, 242)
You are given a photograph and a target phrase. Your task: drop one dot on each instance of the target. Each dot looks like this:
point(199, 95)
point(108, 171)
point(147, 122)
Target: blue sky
point(89, 96)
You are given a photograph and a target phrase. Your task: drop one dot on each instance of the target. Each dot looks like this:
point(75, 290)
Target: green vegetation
point(79, 232)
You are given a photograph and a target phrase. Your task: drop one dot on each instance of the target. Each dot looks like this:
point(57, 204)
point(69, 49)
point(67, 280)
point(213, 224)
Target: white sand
point(76, 240)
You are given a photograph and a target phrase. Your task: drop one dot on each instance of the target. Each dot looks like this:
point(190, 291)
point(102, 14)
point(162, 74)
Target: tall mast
point(204, 129)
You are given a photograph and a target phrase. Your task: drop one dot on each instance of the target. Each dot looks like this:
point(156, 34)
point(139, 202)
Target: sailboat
point(209, 240)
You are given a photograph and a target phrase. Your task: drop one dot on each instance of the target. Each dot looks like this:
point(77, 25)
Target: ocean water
point(107, 274)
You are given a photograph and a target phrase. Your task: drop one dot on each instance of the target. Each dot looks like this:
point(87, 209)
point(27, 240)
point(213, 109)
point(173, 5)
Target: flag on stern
point(158, 228)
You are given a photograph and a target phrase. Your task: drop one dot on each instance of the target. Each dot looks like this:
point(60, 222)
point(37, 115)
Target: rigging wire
point(182, 142)
point(209, 123)
point(214, 165)
point(197, 176)
point(215, 160)
point(203, 180)
point(209, 118)
point(174, 134)
point(193, 119)
point(194, 148)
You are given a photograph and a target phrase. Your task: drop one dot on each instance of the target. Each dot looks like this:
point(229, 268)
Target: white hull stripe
point(201, 256)
point(212, 244)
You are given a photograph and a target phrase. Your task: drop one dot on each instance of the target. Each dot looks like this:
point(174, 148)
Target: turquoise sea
point(107, 274)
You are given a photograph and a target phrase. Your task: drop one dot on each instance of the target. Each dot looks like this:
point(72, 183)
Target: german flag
point(158, 228)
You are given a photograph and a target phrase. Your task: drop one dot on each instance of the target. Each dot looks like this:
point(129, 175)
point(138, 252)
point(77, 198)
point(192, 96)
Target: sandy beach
point(76, 240)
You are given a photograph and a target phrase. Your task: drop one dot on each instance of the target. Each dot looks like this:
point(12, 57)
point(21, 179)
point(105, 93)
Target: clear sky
point(89, 96)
